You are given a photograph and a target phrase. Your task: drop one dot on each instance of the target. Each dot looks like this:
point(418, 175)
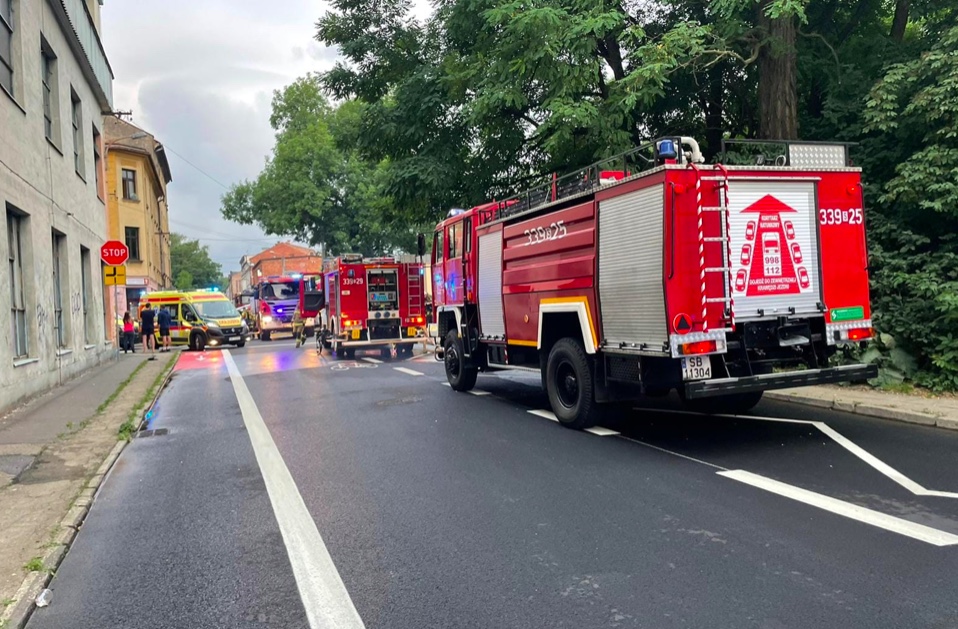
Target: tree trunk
point(777, 79)
point(715, 110)
point(901, 20)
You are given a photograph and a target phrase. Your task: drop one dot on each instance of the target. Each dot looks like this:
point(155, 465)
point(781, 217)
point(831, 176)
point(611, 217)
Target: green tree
point(192, 265)
point(317, 187)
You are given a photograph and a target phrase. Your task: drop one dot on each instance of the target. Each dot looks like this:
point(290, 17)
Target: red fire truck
point(275, 300)
point(374, 303)
point(652, 272)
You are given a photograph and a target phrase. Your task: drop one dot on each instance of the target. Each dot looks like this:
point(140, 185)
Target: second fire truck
point(373, 303)
point(652, 272)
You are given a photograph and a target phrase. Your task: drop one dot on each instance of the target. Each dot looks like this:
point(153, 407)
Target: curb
point(866, 410)
point(159, 390)
point(17, 616)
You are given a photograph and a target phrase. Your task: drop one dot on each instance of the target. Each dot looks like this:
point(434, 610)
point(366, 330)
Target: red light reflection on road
point(200, 360)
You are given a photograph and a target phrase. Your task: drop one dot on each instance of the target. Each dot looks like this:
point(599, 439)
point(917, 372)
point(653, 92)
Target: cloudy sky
point(199, 75)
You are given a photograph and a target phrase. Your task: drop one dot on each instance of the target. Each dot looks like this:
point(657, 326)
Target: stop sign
point(114, 253)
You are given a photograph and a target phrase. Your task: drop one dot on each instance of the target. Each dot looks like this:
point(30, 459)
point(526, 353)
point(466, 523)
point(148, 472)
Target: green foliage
point(914, 109)
point(317, 187)
point(192, 265)
point(478, 100)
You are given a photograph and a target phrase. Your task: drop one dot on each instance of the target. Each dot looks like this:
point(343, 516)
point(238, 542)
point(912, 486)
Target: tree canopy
point(317, 187)
point(191, 264)
point(471, 103)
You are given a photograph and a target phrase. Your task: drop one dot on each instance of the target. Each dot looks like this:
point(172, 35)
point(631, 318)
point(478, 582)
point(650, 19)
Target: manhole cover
point(159, 432)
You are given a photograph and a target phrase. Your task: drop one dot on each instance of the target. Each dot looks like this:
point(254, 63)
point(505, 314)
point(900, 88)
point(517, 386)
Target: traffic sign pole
point(115, 253)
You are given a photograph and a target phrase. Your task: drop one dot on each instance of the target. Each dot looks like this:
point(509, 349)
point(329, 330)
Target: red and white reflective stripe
point(700, 214)
point(728, 239)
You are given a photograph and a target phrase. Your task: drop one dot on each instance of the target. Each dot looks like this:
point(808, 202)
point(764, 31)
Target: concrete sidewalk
point(940, 411)
point(49, 449)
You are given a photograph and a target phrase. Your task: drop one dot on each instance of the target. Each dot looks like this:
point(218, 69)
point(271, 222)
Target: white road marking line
point(848, 444)
point(410, 372)
point(324, 596)
point(602, 432)
point(476, 392)
point(547, 414)
point(372, 360)
point(845, 509)
point(445, 384)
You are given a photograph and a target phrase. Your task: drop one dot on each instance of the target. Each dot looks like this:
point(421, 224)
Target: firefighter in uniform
point(299, 327)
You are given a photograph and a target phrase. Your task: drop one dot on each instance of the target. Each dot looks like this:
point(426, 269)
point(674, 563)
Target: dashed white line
point(374, 361)
point(445, 384)
point(602, 432)
point(845, 509)
point(547, 414)
point(409, 372)
point(324, 596)
point(477, 392)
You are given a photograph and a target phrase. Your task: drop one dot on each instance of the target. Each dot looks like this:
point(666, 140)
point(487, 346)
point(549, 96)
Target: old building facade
point(137, 173)
point(55, 85)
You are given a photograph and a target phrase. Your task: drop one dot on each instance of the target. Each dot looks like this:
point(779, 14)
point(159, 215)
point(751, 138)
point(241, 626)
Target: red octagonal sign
point(114, 253)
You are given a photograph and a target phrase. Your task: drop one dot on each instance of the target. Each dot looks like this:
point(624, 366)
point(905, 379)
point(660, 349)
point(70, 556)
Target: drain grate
point(159, 432)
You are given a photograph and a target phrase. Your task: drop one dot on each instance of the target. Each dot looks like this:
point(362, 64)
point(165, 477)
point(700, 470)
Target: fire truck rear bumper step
point(765, 382)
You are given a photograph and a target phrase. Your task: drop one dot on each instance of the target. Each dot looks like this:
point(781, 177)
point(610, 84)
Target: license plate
point(696, 368)
point(411, 331)
point(233, 339)
point(356, 334)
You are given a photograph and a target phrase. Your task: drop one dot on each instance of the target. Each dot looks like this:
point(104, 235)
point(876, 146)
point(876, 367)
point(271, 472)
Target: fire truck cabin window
point(437, 247)
point(455, 240)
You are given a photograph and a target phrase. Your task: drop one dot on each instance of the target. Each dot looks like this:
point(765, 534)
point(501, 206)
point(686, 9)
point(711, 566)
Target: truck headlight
point(267, 319)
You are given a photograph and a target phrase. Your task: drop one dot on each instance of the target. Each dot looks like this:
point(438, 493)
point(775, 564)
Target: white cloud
point(200, 75)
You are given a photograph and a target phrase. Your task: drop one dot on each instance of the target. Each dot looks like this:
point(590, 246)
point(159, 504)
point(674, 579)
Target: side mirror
point(421, 244)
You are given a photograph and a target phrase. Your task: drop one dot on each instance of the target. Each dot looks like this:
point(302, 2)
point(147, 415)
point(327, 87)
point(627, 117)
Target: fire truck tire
point(264, 335)
point(570, 384)
point(385, 353)
point(461, 377)
point(724, 404)
point(349, 353)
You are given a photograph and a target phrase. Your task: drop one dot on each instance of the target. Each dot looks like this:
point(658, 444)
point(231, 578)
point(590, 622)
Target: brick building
point(284, 258)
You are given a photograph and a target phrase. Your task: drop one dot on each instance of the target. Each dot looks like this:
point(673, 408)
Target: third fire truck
point(374, 303)
point(652, 272)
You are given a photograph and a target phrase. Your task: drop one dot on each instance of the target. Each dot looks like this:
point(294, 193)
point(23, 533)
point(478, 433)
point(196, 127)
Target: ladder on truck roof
point(414, 291)
point(725, 239)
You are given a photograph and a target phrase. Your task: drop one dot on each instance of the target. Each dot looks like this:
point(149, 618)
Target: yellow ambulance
point(200, 318)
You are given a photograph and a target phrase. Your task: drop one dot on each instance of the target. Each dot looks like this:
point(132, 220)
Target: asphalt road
point(292, 490)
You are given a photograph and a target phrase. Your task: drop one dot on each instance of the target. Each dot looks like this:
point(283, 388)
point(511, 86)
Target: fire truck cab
point(652, 271)
point(373, 303)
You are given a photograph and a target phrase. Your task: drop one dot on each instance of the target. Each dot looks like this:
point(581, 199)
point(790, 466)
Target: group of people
point(150, 319)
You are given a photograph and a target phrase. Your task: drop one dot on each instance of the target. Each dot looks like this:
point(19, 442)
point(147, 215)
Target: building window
point(133, 242)
point(59, 274)
point(51, 108)
point(77, 117)
point(97, 164)
point(129, 185)
point(6, 45)
point(85, 266)
point(16, 225)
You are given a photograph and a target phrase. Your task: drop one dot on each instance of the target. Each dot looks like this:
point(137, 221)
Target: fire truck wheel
point(349, 353)
point(570, 383)
point(264, 335)
point(461, 377)
point(724, 404)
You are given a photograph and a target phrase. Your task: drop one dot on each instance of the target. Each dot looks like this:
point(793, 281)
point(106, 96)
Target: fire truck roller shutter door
point(630, 268)
point(491, 315)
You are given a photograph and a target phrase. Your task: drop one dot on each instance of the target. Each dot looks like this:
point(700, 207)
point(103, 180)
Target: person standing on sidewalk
point(129, 334)
point(147, 320)
point(164, 320)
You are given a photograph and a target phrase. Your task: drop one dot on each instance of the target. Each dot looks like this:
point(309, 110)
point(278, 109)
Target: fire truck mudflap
point(652, 272)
